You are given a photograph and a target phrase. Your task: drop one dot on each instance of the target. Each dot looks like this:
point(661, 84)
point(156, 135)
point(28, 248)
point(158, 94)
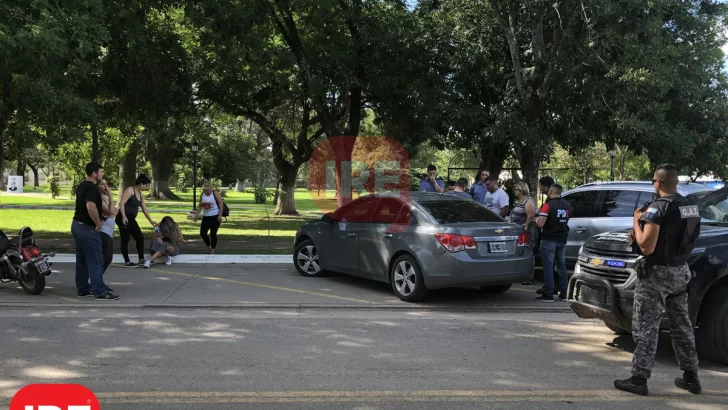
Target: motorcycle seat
point(4, 245)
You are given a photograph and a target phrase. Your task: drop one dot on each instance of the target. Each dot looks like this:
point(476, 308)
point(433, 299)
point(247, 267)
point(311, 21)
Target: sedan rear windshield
point(449, 212)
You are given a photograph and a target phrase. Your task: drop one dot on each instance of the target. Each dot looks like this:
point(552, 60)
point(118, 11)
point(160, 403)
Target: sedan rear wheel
point(306, 259)
point(406, 279)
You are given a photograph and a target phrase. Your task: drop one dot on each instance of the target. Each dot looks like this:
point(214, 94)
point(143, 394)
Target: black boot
point(636, 385)
point(689, 382)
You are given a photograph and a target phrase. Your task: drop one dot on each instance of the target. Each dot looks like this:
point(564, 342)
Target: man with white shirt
point(496, 199)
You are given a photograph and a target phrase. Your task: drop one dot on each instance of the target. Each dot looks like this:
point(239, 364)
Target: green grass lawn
point(251, 227)
point(304, 201)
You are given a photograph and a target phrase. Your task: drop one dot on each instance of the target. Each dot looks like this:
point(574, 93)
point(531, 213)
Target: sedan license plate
point(42, 267)
point(498, 247)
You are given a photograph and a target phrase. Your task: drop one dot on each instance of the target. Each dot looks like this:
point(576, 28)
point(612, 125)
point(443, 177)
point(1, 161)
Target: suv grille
point(615, 275)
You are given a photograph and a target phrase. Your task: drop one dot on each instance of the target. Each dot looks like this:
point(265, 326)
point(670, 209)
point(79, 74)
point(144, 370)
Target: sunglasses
point(656, 180)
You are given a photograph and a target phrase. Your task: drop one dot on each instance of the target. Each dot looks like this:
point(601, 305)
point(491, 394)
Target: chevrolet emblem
point(597, 262)
point(499, 231)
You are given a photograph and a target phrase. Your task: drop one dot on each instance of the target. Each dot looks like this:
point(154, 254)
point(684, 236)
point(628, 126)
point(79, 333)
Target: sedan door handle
point(579, 230)
point(351, 234)
point(388, 235)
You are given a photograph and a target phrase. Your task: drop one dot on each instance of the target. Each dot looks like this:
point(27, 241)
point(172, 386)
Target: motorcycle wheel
point(34, 283)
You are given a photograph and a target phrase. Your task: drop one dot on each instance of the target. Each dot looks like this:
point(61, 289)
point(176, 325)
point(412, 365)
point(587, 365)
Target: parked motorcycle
point(22, 261)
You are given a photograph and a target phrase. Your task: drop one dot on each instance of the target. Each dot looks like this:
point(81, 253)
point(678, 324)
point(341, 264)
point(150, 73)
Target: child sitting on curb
point(167, 240)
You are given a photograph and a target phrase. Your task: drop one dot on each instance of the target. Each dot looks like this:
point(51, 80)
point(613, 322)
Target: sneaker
point(545, 298)
point(86, 294)
point(689, 382)
point(169, 261)
point(144, 263)
point(131, 265)
point(108, 289)
point(147, 264)
point(633, 385)
point(562, 297)
point(541, 291)
point(107, 296)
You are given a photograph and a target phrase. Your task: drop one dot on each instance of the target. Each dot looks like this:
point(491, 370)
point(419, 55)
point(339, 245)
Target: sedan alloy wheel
point(306, 259)
point(407, 280)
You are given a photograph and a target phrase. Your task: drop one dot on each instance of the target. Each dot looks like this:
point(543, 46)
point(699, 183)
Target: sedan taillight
point(524, 239)
point(455, 242)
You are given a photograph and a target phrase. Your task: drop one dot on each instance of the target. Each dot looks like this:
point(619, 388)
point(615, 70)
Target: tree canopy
point(494, 81)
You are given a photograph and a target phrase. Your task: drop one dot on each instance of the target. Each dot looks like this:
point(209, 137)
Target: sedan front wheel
point(306, 259)
point(406, 279)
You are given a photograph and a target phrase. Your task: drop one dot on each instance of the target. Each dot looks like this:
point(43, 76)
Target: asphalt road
point(251, 285)
point(161, 358)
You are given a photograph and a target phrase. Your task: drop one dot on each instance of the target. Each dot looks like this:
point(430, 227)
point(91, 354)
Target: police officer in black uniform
point(665, 232)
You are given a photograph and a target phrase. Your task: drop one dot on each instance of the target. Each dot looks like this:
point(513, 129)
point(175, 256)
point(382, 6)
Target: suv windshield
point(450, 212)
point(714, 207)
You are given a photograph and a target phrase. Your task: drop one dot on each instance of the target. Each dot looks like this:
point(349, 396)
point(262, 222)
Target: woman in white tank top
point(210, 205)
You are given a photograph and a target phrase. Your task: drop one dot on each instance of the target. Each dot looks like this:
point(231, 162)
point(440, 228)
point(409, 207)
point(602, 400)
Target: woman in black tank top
point(129, 204)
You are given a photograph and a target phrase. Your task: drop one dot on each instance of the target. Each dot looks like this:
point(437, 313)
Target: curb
point(198, 259)
point(292, 306)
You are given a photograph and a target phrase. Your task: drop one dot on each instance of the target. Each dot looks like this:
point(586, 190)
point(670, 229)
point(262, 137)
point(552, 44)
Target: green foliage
point(261, 195)
point(231, 154)
point(593, 164)
point(55, 188)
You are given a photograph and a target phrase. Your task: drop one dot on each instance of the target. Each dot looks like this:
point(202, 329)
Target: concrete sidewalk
point(258, 286)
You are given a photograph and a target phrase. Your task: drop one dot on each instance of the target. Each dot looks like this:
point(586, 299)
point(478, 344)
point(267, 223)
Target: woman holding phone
point(109, 212)
point(129, 204)
point(211, 206)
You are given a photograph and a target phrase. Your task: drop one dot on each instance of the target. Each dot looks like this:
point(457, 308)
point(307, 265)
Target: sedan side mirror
point(328, 217)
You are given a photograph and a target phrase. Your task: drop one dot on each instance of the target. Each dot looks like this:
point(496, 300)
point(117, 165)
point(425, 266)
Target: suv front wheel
point(712, 337)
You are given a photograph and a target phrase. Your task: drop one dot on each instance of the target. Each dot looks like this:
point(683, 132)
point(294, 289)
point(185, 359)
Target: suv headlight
point(582, 256)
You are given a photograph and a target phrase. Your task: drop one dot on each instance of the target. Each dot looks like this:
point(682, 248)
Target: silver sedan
point(416, 242)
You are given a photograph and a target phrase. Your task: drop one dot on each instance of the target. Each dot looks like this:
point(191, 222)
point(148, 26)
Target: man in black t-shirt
point(85, 229)
point(553, 219)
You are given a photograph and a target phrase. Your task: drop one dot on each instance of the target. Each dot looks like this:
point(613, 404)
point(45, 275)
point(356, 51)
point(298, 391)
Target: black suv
point(603, 283)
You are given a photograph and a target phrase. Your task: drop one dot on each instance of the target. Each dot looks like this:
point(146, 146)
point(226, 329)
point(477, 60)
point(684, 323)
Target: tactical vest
point(679, 230)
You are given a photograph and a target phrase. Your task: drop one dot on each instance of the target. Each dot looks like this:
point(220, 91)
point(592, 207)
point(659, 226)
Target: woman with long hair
point(167, 241)
point(211, 203)
point(108, 213)
point(129, 204)
point(524, 214)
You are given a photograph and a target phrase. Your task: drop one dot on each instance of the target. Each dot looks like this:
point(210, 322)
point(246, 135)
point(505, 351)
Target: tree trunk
point(20, 169)
point(278, 190)
point(530, 161)
point(343, 148)
point(286, 201)
point(128, 167)
point(94, 142)
point(493, 156)
point(35, 175)
point(161, 171)
point(620, 167)
point(5, 114)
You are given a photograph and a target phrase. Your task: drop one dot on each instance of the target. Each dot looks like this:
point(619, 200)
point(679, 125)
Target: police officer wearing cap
point(665, 232)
